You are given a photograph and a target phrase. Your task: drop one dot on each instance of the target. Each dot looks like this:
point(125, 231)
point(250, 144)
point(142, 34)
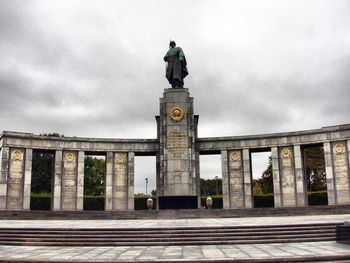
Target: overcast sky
point(95, 68)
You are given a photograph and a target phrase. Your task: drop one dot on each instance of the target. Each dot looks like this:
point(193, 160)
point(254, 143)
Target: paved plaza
point(276, 252)
point(172, 253)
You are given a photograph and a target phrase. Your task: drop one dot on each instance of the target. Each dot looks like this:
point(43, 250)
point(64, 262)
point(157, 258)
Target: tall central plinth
point(178, 162)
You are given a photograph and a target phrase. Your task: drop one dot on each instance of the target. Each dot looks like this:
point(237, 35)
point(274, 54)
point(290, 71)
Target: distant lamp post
point(216, 183)
point(146, 179)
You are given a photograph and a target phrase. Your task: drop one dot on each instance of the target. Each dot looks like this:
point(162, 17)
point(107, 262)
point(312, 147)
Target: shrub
point(318, 198)
point(40, 201)
point(94, 203)
point(264, 200)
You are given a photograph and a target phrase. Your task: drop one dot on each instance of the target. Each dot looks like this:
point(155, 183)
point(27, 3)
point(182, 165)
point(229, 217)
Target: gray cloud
point(88, 68)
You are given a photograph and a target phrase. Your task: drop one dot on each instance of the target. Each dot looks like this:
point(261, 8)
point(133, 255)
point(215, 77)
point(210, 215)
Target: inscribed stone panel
point(236, 179)
point(69, 181)
point(15, 180)
point(177, 143)
point(340, 163)
point(120, 189)
point(287, 176)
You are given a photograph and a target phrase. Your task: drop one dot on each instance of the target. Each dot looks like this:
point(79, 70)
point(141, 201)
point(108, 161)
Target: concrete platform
point(278, 252)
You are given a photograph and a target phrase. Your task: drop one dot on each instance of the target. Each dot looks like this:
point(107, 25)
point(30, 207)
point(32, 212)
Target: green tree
point(208, 186)
point(42, 171)
point(52, 134)
point(266, 180)
point(315, 171)
point(94, 176)
point(256, 188)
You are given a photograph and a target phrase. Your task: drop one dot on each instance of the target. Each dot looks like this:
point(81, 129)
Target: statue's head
point(172, 43)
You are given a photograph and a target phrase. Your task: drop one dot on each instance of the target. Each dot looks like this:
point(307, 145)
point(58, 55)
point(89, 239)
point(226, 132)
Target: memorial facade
point(177, 149)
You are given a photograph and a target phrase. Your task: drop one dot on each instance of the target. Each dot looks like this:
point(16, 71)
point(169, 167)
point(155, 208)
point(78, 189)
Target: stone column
point(225, 180)
point(198, 179)
point(300, 178)
point(331, 193)
point(4, 170)
point(236, 179)
point(109, 182)
point(130, 181)
point(287, 176)
point(69, 180)
point(80, 180)
point(27, 178)
point(120, 181)
point(341, 172)
point(248, 200)
point(276, 177)
point(16, 179)
point(57, 183)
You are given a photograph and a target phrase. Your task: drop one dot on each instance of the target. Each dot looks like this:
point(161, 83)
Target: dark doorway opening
point(94, 181)
point(315, 174)
point(42, 178)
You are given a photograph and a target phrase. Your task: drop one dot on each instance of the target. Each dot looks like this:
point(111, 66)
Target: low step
point(168, 236)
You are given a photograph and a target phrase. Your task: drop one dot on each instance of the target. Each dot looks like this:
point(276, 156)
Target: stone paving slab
point(164, 223)
point(290, 252)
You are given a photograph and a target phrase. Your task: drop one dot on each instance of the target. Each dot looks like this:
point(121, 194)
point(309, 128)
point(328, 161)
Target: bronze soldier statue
point(176, 69)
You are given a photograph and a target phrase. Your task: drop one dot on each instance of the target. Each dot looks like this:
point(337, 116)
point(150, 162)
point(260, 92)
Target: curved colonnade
point(68, 183)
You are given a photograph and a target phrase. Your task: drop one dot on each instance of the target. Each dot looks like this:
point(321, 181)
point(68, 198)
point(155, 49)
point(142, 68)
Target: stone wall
point(177, 149)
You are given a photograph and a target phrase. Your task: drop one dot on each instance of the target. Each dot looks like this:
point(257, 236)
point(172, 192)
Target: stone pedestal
point(343, 233)
point(177, 174)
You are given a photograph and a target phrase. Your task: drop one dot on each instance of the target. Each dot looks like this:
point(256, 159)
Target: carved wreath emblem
point(16, 155)
point(69, 157)
point(339, 148)
point(120, 158)
point(176, 113)
point(234, 156)
point(285, 153)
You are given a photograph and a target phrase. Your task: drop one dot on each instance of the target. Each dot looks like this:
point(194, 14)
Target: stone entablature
point(203, 145)
point(29, 140)
point(317, 136)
